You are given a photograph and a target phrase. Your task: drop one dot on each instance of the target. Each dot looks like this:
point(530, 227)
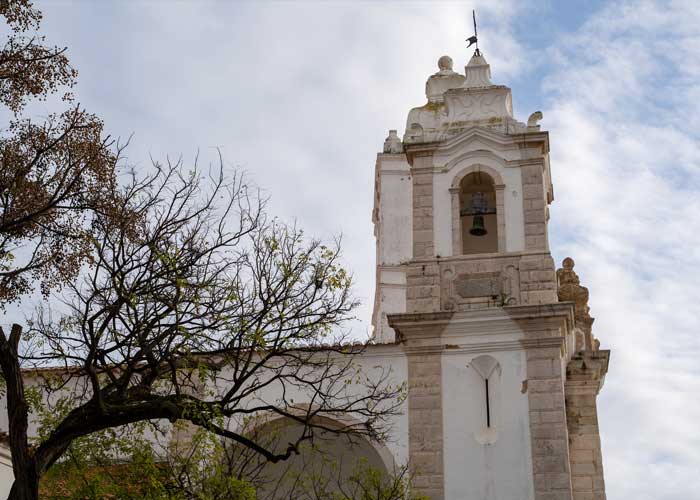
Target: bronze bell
point(478, 228)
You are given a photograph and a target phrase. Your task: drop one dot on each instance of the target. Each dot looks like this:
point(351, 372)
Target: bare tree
point(198, 308)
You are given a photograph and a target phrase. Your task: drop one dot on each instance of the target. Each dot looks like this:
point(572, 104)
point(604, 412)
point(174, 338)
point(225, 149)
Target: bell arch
point(465, 185)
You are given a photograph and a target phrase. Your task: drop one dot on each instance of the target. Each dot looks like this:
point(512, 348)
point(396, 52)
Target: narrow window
point(488, 405)
point(490, 382)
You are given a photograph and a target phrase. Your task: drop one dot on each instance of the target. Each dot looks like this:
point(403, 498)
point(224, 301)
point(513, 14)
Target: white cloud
point(623, 116)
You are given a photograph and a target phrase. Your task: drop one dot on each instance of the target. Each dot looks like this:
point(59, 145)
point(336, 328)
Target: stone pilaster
point(546, 329)
point(425, 423)
point(423, 287)
point(421, 337)
point(534, 207)
point(422, 177)
point(456, 221)
point(585, 375)
point(501, 217)
point(548, 431)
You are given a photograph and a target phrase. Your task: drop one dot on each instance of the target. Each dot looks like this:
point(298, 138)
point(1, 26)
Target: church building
point(492, 341)
point(502, 368)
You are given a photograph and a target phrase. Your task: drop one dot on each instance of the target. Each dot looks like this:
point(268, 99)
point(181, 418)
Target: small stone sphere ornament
point(445, 63)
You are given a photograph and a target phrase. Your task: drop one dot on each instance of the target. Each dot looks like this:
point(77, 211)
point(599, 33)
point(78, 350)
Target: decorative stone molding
point(442, 81)
point(457, 148)
point(585, 373)
point(569, 289)
point(533, 120)
point(478, 72)
point(479, 285)
point(527, 279)
point(456, 103)
point(392, 144)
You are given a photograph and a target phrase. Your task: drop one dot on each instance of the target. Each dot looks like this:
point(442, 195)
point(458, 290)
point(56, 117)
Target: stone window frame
point(455, 189)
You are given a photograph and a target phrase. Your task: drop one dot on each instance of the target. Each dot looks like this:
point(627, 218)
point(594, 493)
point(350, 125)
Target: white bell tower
point(503, 370)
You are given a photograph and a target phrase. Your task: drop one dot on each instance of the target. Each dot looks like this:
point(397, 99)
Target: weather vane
point(473, 39)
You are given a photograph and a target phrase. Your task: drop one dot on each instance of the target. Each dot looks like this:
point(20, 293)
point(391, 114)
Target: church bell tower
point(503, 368)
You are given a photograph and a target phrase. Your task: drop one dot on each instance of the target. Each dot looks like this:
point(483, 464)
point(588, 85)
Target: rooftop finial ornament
point(473, 40)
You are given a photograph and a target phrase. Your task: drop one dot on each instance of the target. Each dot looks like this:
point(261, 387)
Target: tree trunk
point(26, 485)
point(24, 491)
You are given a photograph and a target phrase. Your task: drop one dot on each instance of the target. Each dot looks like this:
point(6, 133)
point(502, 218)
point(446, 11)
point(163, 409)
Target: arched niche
point(324, 463)
point(470, 180)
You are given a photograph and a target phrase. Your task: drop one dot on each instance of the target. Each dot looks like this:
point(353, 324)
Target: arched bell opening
point(478, 213)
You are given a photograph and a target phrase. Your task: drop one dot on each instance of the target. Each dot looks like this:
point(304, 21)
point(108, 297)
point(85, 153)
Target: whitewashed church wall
point(31, 379)
point(6, 474)
point(395, 240)
point(490, 465)
point(392, 300)
point(374, 362)
point(74, 388)
point(395, 212)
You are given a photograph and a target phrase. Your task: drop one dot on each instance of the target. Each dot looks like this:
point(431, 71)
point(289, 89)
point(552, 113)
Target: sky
point(300, 95)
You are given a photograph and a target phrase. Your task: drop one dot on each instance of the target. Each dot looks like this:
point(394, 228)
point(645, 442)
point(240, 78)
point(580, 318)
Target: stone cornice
point(395, 171)
point(479, 256)
point(391, 156)
point(503, 141)
point(420, 149)
point(435, 328)
point(482, 347)
point(585, 373)
point(530, 137)
point(497, 140)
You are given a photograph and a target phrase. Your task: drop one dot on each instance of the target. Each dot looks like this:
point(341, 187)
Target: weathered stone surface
point(585, 375)
point(425, 424)
point(479, 285)
point(569, 289)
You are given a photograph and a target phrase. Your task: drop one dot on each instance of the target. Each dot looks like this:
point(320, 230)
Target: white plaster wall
point(512, 200)
point(395, 211)
point(77, 386)
point(395, 240)
point(375, 361)
point(6, 474)
point(392, 299)
point(498, 471)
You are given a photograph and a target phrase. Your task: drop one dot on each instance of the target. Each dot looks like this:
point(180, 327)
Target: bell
point(478, 228)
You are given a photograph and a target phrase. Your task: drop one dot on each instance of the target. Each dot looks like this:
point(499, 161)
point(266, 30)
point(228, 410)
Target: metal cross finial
point(473, 40)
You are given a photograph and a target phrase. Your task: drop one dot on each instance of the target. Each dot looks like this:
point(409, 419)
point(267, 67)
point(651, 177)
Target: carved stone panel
point(479, 285)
